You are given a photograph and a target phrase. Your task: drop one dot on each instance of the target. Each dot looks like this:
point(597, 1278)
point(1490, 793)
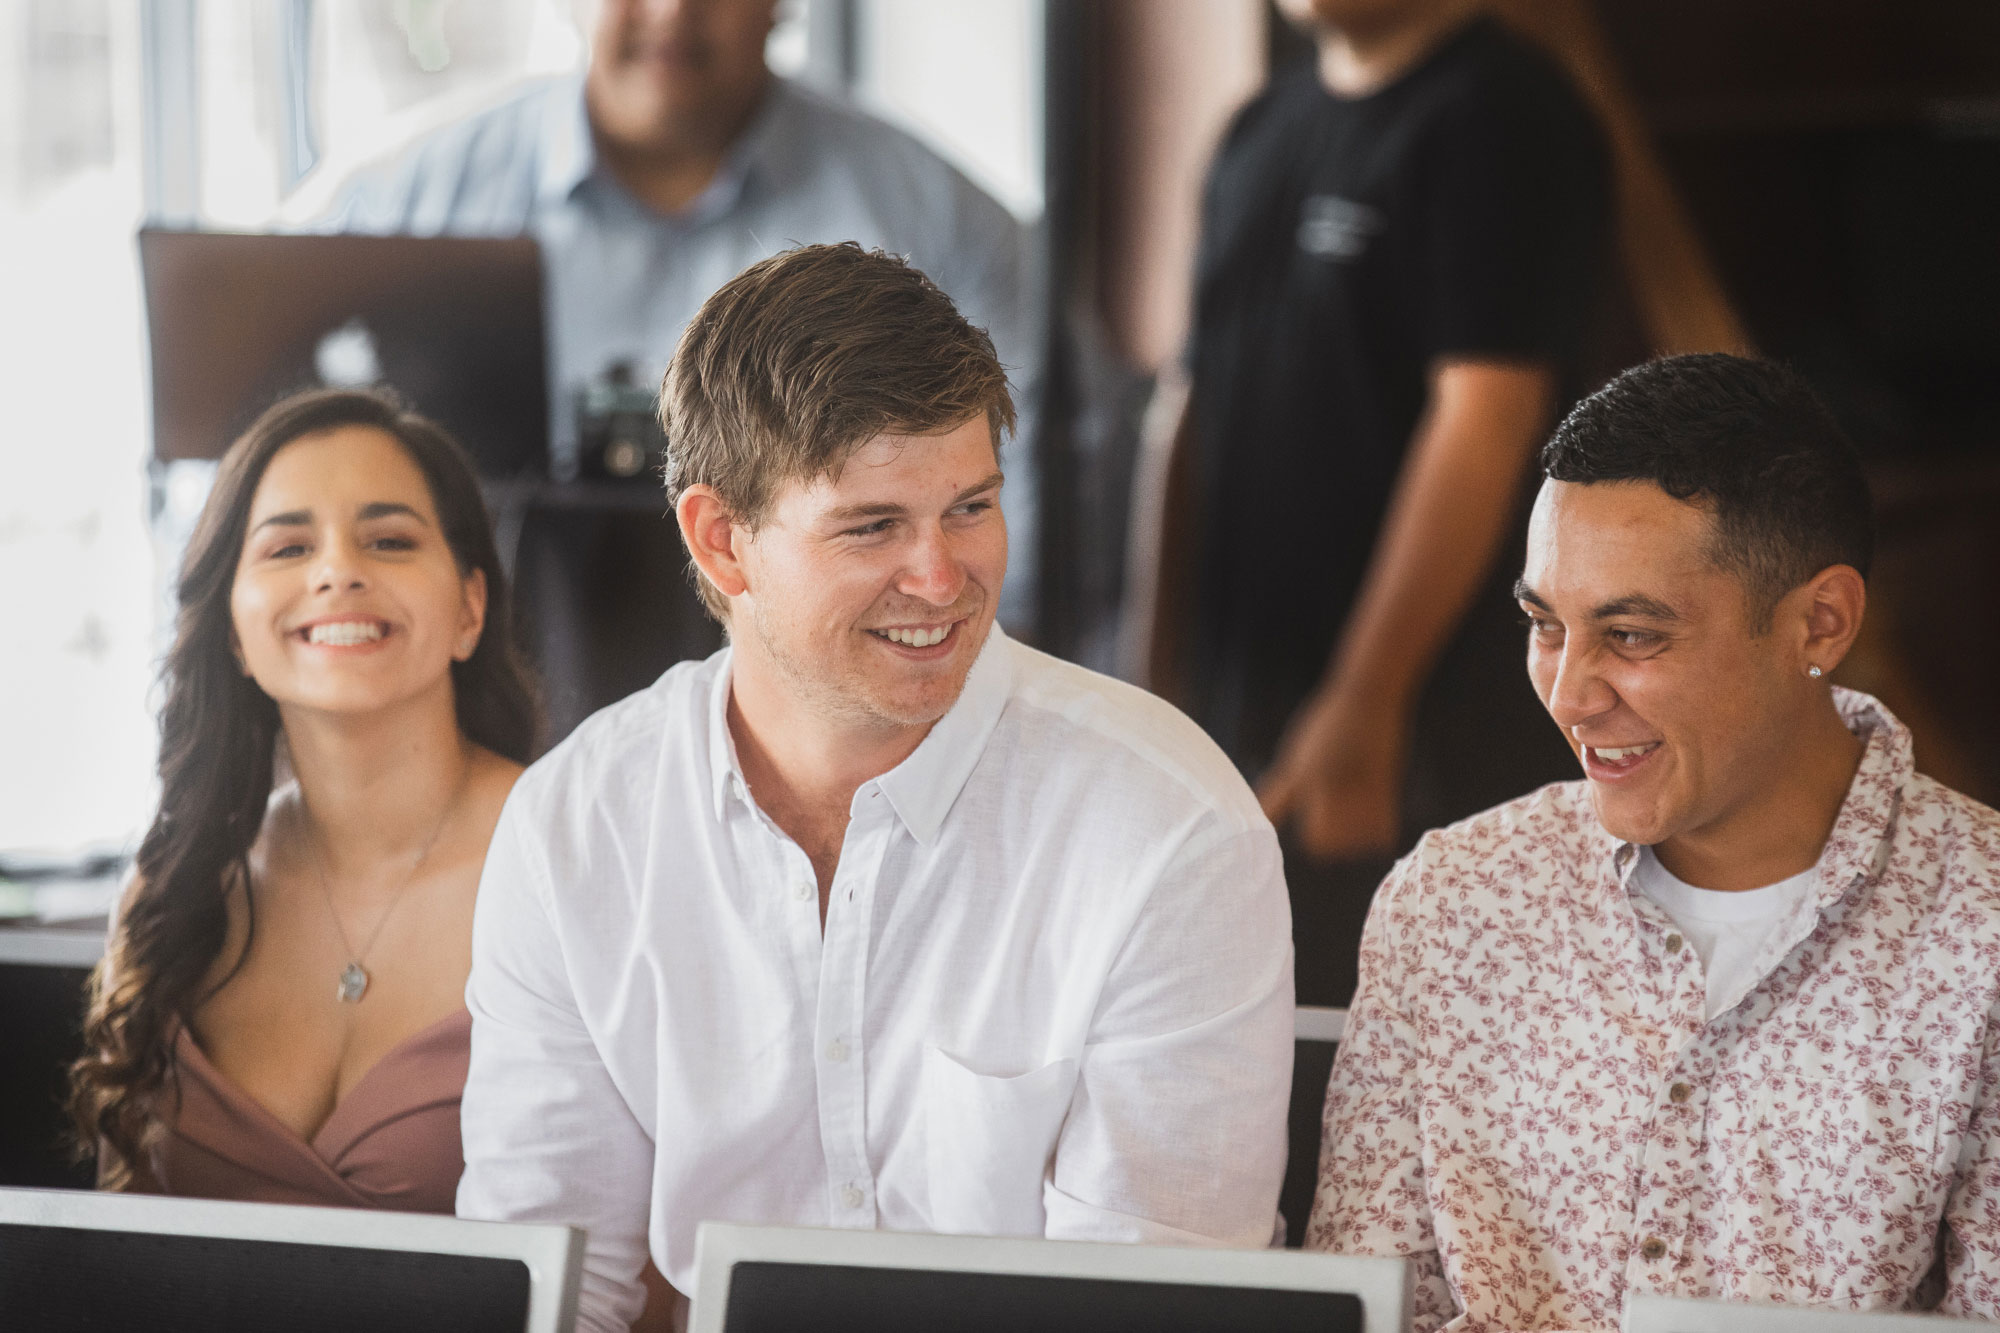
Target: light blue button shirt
point(624, 280)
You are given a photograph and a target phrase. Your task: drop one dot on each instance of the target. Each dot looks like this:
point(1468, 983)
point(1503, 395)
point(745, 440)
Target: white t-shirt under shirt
point(1727, 929)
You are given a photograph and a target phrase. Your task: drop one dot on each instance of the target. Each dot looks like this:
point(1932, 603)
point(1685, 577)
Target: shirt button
point(1653, 1248)
point(853, 1197)
point(1680, 1092)
point(804, 891)
point(1674, 943)
point(836, 1051)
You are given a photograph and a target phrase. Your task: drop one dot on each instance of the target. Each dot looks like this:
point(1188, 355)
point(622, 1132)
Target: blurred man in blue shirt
point(675, 161)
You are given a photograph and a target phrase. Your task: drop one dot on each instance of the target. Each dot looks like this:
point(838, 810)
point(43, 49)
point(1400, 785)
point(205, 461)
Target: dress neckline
point(327, 1143)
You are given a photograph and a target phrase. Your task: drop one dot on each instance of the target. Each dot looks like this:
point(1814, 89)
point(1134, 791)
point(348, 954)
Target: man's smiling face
point(1646, 653)
point(872, 591)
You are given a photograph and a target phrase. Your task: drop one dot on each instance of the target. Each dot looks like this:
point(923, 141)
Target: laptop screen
point(453, 324)
point(767, 1297)
point(61, 1277)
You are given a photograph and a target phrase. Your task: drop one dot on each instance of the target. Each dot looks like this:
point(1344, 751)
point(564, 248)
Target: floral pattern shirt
point(1530, 1104)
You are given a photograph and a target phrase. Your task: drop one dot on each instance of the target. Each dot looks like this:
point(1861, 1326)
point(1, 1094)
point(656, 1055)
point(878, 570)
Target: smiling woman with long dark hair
point(280, 1014)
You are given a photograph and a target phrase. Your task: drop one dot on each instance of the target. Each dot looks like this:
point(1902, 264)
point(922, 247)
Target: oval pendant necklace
point(354, 977)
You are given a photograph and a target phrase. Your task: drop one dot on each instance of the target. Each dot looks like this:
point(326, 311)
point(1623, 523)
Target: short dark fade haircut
point(802, 358)
point(1746, 440)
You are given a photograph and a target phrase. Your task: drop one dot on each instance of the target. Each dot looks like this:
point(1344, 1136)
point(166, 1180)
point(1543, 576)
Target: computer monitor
point(453, 324)
point(779, 1279)
point(1660, 1314)
point(77, 1259)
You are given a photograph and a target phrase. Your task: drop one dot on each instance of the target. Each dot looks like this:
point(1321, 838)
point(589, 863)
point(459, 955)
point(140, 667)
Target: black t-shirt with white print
point(1348, 244)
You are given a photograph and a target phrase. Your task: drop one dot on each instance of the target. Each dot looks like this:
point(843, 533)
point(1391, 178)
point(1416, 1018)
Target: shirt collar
point(1859, 844)
point(759, 154)
point(921, 789)
point(725, 773)
point(569, 152)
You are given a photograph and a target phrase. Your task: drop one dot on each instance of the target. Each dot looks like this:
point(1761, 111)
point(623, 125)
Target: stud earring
point(1814, 672)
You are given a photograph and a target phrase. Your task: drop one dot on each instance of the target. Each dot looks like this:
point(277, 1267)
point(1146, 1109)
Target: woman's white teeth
point(917, 638)
point(345, 633)
point(1613, 756)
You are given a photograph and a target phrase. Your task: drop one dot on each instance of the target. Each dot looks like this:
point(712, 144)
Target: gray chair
point(1316, 1039)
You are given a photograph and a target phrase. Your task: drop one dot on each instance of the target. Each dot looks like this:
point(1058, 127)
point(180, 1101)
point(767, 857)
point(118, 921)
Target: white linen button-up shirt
point(1531, 1101)
point(1053, 996)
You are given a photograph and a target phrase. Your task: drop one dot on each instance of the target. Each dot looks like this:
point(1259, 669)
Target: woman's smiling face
point(347, 597)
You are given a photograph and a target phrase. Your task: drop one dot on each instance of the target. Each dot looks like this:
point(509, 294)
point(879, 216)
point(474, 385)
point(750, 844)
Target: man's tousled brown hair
point(804, 357)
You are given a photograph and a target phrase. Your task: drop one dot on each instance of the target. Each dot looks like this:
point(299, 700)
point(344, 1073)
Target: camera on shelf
point(618, 429)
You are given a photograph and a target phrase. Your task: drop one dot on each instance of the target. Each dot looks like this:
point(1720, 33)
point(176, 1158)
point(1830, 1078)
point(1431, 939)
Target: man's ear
point(714, 538)
point(1831, 603)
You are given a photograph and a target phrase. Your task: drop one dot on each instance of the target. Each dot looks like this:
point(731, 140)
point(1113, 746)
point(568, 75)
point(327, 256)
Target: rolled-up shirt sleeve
point(1176, 1133)
point(548, 1137)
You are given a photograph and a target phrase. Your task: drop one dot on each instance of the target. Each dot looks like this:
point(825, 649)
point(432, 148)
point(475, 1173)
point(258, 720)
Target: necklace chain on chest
point(354, 977)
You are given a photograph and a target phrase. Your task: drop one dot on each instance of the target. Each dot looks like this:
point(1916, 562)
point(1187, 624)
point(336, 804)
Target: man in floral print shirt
point(1719, 1020)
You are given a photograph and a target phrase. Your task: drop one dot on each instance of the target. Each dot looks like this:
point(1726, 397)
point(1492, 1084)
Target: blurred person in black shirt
point(1401, 244)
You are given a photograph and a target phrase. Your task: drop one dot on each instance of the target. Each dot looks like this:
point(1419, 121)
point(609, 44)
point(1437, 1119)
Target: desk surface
point(71, 944)
point(56, 920)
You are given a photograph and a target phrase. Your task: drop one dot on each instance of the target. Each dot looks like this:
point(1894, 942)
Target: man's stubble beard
point(852, 707)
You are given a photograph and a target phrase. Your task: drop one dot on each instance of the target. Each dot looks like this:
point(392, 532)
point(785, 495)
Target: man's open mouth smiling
point(918, 637)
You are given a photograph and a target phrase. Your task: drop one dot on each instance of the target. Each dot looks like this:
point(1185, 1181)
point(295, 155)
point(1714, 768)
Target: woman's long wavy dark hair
point(218, 740)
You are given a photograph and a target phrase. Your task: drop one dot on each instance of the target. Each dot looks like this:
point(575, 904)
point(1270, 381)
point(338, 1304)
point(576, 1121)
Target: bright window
point(243, 114)
point(76, 736)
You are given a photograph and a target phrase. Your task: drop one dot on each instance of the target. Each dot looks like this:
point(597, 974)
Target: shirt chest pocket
point(1829, 1153)
point(988, 1140)
point(1844, 1129)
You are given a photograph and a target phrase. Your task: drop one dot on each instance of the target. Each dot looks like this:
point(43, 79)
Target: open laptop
point(1660, 1314)
point(453, 324)
point(76, 1259)
point(779, 1279)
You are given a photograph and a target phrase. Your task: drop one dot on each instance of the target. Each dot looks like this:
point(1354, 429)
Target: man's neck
point(804, 767)
point(1782, 833)
point(668, 170)
point(1357, 60)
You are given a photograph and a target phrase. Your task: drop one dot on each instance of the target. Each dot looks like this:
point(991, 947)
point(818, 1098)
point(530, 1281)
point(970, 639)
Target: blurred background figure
point(674, 161)
point(1402, 243)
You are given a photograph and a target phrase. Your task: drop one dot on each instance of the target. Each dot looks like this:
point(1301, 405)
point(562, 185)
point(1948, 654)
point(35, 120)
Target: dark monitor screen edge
point(833, 1298)
point(749, 1279)
point(91, 1259)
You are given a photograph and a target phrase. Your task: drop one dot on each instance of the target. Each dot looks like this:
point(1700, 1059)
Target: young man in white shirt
point(876, 918)
point(1723, 1019)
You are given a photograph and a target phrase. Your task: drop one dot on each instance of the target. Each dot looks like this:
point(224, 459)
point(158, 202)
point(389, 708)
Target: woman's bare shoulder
point(492, 777)
point(488, 783)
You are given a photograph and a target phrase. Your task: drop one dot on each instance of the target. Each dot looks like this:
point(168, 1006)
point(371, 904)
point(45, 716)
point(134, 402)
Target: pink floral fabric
point(1529, 1103)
